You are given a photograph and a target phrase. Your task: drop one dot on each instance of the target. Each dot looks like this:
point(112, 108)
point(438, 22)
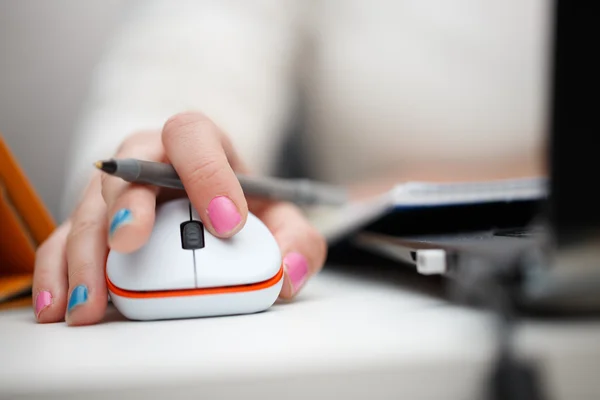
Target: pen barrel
point(312, 193)
point(162, 174)
point(152, 173)
point(299, 191)
point(269, 188)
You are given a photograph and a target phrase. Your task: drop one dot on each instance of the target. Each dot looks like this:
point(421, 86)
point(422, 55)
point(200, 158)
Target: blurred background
point(48, 50)
point(388, 84)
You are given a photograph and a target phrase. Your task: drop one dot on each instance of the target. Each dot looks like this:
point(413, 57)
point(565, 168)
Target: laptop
point(553, 258)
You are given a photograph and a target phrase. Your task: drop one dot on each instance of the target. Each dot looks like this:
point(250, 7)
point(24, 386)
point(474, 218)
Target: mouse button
point(178, 209)
point(161, 264)
point(250, 256)
point(150, 271)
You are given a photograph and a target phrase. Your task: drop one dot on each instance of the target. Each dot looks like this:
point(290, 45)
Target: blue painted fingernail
point(121, 217)
point(79, 295)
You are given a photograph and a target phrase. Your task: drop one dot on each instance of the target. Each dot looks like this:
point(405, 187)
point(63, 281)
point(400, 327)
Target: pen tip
point(109, 166)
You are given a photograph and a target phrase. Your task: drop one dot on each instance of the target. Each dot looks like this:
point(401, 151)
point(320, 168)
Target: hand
point(69, 280)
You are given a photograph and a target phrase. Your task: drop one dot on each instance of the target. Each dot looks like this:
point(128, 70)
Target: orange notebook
point(24, 224)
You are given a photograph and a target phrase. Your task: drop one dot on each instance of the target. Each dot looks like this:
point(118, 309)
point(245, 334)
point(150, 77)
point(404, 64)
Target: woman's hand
point(69, 280)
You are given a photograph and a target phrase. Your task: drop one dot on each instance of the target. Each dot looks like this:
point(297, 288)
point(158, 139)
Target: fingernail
point(121, 217)
point(79, 295)
point(43, 300)
point(223, 214)
point(296, 268)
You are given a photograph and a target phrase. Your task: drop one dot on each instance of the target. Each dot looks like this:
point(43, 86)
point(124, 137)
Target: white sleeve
point(232, 60)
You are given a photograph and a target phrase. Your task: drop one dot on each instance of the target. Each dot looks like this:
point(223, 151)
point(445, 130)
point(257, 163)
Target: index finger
point(195, 148)
point(131, 207)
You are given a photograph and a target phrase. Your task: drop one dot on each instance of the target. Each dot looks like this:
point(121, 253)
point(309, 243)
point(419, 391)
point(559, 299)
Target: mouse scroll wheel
point(192, 235)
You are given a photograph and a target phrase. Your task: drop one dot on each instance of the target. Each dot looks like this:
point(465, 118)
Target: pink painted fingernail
point(43, 300)
point(296, 268)
point(223, 215)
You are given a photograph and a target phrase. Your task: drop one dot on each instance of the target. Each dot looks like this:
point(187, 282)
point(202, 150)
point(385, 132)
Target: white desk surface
point(348, 335)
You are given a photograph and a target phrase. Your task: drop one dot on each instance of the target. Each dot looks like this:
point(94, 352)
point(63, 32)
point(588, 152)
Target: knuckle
point(82, 228)
point(140, 136)
point(78, 272)
point(180, 123)
point(205, 171)
point(145, 142)
point(43, 249)
point(134, 139)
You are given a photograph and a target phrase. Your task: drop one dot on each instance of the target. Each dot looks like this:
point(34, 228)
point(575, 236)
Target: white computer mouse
point(183, 271)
